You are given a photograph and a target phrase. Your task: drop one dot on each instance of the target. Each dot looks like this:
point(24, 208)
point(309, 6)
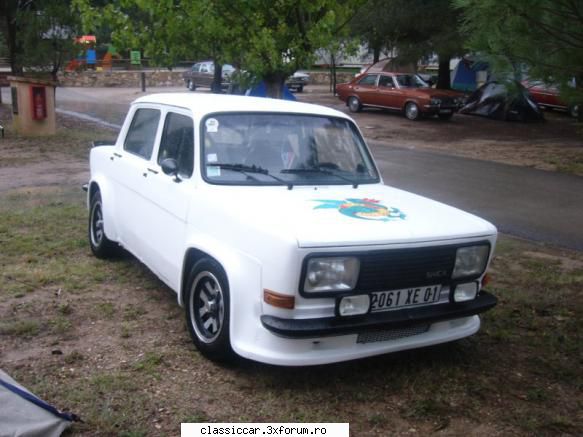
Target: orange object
point(279, 300)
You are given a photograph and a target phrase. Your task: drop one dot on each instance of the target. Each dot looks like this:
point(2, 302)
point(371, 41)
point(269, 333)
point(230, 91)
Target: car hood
point(343, 216)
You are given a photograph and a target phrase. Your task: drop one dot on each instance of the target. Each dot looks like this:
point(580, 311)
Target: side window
point(386, 81)
point(195, 67)
point(204, 68)
point(142, 132)
point(371, 79)
point(178, 142)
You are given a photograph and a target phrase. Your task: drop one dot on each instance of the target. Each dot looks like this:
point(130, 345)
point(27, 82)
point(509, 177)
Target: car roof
point(202, 104)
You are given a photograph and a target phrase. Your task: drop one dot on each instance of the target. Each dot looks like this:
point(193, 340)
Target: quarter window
point(178, 142)
point(371, 79)
point(142, 132)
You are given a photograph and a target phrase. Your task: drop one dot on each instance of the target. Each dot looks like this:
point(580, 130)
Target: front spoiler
point(329, 326)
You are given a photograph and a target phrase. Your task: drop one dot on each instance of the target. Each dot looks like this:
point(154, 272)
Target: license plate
point(445, 111)
point(406, 297)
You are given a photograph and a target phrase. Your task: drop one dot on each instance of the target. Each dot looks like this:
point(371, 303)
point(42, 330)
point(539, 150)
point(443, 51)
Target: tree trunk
point(444, 75)
point(217, 78)
point(333, 78)
point(376, 53)
point(274, 85)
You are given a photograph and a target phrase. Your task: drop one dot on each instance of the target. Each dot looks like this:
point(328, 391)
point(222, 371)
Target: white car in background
point(270, 221)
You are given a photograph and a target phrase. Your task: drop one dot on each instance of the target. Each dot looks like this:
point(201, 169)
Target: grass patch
point(129, 368)
point(20, 328)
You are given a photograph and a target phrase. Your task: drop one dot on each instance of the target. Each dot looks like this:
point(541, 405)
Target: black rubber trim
point(329, 326)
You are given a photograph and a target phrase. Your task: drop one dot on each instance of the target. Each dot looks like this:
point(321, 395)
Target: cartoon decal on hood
point(366, 209)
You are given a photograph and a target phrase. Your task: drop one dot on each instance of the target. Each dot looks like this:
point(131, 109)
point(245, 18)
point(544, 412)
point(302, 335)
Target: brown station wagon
point(403, 92)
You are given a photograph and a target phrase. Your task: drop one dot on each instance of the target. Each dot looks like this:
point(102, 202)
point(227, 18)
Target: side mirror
point(170, 168)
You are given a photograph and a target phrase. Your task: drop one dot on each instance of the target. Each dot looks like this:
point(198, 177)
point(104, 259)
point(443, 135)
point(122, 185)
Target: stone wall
point(159, 78)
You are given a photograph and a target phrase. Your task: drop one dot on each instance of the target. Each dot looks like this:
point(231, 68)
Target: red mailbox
point(39, 102)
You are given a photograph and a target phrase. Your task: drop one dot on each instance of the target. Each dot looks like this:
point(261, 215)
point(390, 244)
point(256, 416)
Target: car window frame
point(354, 126)
point(388, 76)
point(376, 82)
point(135, 109)
point(186, 113)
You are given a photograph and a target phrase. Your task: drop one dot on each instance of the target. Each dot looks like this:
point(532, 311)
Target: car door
point(169, 197)
point(366, 89)
point(388, 94)
point(205, 76)
point(131, 168)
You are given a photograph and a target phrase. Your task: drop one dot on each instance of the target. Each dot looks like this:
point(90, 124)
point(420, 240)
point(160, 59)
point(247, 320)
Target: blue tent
point(464, 75)
point(261, 91)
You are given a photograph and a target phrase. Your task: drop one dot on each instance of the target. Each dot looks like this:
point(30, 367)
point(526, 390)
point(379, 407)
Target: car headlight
point(470, 261)
point(331, 274)
point(435, 101)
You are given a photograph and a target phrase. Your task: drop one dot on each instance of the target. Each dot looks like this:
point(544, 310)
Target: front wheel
point(574, 111)
point(354, 104)
point(190, 85)
point(412, 111)
point(207, 310)
point(101, 246)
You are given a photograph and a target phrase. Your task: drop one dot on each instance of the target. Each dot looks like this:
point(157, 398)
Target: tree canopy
point(39, 34)
point(543, 36)
point(270, 39)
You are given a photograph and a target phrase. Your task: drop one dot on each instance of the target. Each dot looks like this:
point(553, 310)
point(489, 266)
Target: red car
point(547, 96)
point(403, 92)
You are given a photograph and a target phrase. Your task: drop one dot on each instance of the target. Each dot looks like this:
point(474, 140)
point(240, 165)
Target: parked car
point(297, 81)
point(403, 92)
point(548, 97)
point(202, 74)
point(270, 221)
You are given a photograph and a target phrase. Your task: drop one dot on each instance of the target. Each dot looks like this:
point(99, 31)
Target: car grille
point(447, 102)
point(391, 334)
point(401, 268)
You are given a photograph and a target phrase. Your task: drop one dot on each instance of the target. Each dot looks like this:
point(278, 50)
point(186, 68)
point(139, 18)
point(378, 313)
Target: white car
point(270, 221)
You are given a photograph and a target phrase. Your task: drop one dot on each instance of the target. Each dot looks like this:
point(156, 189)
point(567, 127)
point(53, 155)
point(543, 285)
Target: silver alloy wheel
point(412, 111)
point(207, 307)
point(96, 224)
point(190, 85)
point(353, 104)
point(574, 111)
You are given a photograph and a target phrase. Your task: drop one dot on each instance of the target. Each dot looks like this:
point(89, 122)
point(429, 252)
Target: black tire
point(354, 104)
point(101, 246)
point(574, 111)
point(412, 111)
point(191, 85)
point(207, 303)
point(300, 88)
point(445, 116)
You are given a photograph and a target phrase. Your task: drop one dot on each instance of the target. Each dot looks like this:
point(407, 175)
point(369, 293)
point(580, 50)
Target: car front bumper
point(306, 342)
point(323, 327)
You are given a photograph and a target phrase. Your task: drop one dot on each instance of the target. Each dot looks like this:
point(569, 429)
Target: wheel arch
point(100, 185)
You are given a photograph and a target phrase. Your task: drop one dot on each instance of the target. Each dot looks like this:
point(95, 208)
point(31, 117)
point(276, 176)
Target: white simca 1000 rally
point(271, 222)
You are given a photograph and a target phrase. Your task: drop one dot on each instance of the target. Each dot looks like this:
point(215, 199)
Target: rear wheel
point(354, 104)
point(300, 88)
point(574, 111)
point(207, 310)
point(412, 111)
point(101, 246)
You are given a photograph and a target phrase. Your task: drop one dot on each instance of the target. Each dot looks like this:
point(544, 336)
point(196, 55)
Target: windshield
point(410, 81)
point(278, 149)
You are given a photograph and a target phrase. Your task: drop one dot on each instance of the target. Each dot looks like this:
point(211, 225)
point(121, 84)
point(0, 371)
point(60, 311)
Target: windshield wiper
point(246, 169)
point(322, 168)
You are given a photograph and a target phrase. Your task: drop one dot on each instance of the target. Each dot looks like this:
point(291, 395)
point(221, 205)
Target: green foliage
point(269, 39)
point(38, 34)
point(546, 36)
